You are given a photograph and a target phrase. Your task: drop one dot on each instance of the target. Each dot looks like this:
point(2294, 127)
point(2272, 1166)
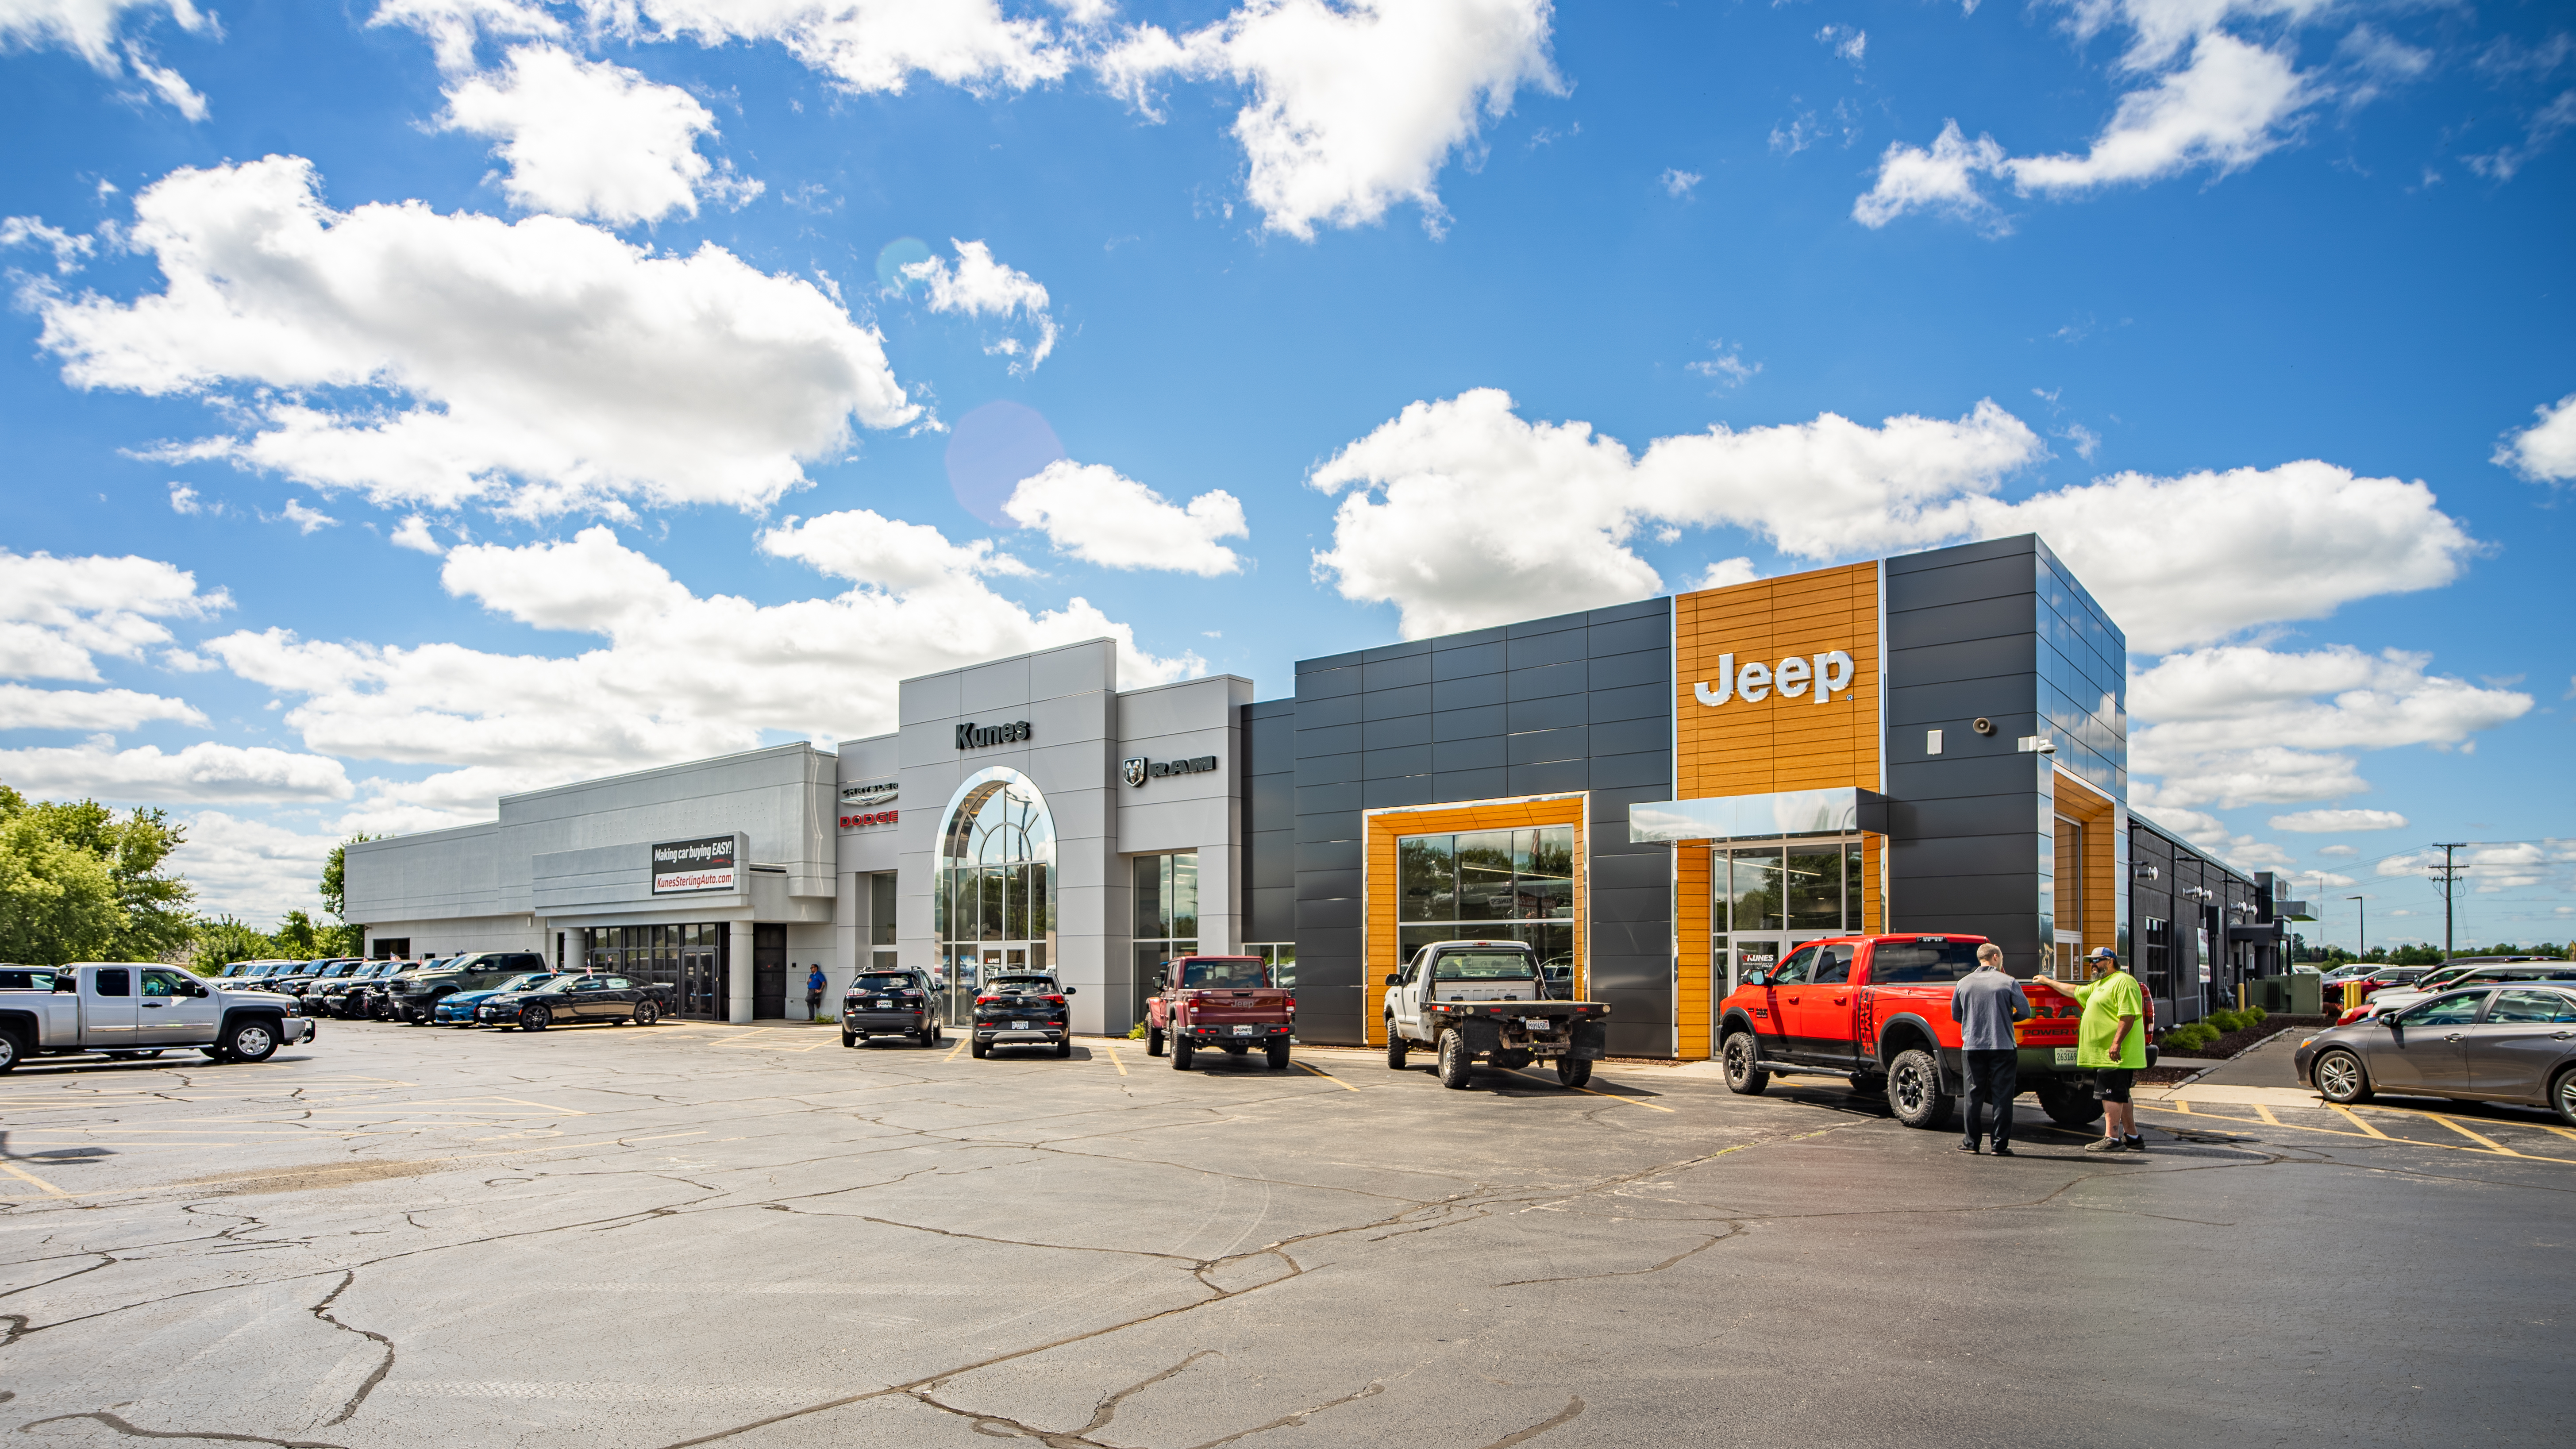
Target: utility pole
point(2361, 904)
point(2447, 876)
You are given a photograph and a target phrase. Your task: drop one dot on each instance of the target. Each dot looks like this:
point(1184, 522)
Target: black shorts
point(2111, 1084)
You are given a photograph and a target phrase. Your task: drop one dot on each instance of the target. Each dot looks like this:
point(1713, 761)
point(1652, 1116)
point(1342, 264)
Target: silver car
point(2510, 1042)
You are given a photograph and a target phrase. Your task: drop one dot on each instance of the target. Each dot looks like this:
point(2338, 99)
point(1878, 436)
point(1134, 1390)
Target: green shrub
point(2222, 1020)
point(2256, 1016)
point(1136, 1032)
point(2190, 1036)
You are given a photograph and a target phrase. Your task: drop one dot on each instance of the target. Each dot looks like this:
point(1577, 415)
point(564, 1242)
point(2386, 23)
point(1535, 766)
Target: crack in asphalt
point(130, 1431)
point(321, 1311)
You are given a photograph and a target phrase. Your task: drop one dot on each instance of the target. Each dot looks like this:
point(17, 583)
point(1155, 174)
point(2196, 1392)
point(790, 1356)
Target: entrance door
point(768, 972)
point(703, 989)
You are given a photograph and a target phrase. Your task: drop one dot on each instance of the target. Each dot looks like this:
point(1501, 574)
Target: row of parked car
point(507, 989)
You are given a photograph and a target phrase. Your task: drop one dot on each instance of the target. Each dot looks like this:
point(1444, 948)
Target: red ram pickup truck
point(1876, 1009)
point(1219, 1002)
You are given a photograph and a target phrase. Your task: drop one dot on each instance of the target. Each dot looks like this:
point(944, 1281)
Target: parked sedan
point(2459, 976)
point(571, 1001)
point(1022, 1009)
point(457, 1007)
point(2510, 1043)
point(889, 1003)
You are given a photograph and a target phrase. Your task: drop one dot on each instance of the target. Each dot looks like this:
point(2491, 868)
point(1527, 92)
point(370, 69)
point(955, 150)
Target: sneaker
point(2134, 1143)
point(1967, 1147)
point(2006, 1152)
point(2103, 1144)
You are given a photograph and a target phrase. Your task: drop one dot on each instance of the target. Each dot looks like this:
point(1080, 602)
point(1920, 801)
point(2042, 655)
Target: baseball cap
point(2103, 953)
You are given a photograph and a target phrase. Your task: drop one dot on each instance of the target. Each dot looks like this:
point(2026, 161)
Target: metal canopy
point(1838, 811)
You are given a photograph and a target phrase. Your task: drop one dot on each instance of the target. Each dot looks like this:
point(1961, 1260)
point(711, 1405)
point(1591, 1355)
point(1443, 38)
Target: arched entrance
point(994, 886)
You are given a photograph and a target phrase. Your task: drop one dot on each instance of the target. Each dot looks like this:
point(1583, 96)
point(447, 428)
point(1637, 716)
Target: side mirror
point(1395, 978)
point(1757, 977)
point(1069, 991)
point(2386, 1020)
point(195, 988)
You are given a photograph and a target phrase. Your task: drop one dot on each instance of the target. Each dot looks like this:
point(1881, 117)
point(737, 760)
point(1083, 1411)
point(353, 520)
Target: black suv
point(416, 994)
point(889, 1003)
point(345, 996)
point(1023, 1008)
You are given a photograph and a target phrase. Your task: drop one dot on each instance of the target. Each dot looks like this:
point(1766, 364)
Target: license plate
point(2066, 1056)
point(1536, 1023)
point(885, 1006)
point(1246, 1030)
point(1020, 1026)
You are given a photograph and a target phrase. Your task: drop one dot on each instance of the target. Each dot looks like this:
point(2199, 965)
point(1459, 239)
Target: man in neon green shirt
point(2112, 1040)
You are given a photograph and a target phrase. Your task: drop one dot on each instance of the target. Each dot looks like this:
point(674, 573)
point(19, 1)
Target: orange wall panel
point(1379, 940)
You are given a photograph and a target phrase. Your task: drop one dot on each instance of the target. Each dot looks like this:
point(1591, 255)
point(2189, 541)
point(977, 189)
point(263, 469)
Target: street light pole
point(2362, 906)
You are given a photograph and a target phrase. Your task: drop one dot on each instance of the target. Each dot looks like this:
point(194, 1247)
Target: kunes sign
point(683, 866)
point(976, 737)
point(1827, 674)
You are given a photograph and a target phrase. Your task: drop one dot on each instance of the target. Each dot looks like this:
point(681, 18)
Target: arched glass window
point(994, 883)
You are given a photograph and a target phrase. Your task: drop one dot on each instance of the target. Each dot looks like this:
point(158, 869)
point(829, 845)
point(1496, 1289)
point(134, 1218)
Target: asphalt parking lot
point(698, 1234)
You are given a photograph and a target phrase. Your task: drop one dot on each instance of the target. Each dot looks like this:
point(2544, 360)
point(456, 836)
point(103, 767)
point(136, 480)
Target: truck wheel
point(1574, 1071)
point(1454, 1063)
point(254, 1040)
point(2067, 1104)
point(10, 1051)
point(1396, 1047)
point(1279, 1055)
point(2340, 1078)
point(1744, 1074)
point(1914, 1091)
point(1181, 1052)
point(1153, 1042)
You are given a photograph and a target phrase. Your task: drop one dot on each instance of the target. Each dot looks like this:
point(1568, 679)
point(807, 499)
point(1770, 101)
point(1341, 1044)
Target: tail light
point(1055, 1001)
point(986, 1000)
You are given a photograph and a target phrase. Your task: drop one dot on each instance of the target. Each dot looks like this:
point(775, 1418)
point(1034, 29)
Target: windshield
point(551, 984)
point(1896, 961)
point(1493, 965)
point(1022, 984)
point(523, 981)
point(1238, 974)
point(884, 983)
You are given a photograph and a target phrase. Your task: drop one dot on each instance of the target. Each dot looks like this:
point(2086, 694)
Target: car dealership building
point(1655, 795)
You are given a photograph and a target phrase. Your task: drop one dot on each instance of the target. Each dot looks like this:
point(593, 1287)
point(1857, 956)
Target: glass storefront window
point(1490, 885)
point(1166, 891)
point(1755, 891)
point(1427, 874)
point(1815, 881)
point(993, 888)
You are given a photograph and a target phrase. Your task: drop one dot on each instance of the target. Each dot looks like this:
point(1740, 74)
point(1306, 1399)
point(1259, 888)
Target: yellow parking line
point(2488, 1143)
point(1327, 1076)
point(2267, 1114)
point(953, 1051)
point(2561, 1131)
point(1112, 1053)
point(23, 1175)
point(2367, 1131)
point(2184, 1107)
point(2356, 1119)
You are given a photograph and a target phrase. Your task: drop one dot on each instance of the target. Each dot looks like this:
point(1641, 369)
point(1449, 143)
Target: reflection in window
point(1489, 885)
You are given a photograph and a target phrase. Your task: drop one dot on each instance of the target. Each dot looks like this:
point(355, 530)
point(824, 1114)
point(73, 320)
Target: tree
point(79, 883)
point(224, 940)
point(347, 938)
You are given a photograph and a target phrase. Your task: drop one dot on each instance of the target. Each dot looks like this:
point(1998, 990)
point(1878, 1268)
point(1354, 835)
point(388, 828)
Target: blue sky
point(418, 401)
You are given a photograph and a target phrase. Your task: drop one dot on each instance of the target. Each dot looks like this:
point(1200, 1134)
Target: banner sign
point(683, 867)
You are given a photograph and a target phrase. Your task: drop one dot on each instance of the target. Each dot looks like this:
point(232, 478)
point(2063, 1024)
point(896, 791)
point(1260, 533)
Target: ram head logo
point(1133, 770)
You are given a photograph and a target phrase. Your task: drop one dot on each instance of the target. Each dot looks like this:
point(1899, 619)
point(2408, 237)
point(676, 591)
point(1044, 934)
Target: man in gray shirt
point(1986, 1003)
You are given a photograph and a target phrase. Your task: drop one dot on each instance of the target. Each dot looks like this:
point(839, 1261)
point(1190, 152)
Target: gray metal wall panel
point(2009, 615)
point(1338, 709)
point(1468, 693)
point(1607, 703)
point(1470, 784)
point(1631, 737)
point(1472, 659)
point(1388, 703)
point(1539, 683)
point(1561, 647)
point(1552, 713)
point(1555, 777)
point(1543, 745)
point(1408, 760)
point(1390, 734)
point(1654, 768)
point(1328, 855)
point(1330, 740)
point(1467, 724)
point(1270, 913)
point(1380, 674)
point(1402, 790)
point(1322, 683)
point(2019, 545)
point(1477, 754)
point(1271, 859)
point(1645, 666)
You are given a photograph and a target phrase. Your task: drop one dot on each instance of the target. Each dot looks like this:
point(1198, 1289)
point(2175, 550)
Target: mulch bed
point(2237, 1041)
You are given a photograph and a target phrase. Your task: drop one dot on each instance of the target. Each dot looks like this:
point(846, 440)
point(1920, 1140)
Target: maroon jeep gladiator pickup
point(1222, 1002)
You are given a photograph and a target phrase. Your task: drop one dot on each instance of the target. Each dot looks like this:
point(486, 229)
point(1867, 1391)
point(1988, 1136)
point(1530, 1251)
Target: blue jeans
point(1994, 1079)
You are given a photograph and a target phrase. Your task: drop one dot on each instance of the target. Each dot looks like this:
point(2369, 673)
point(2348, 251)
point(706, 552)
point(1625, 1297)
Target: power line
point(2447, 877)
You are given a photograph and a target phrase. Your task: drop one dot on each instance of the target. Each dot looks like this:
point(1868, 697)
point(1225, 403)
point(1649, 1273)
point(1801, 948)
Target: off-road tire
point(1743, 1062)
point(1064, 1048)
point(979, 1050)
point(535, 1018)
point(254, 1040)
point(1396, 1047)
point(1182, 1051)
point(2067, 1104)
point(1153, 1042)
point(1279, 1055)
point(12, 1050)
point(1914, 1091)
point(646, 1013)
point(2562, 1096)
point(2341, 1078)
point(1455, 1064)
point(1574, 1071)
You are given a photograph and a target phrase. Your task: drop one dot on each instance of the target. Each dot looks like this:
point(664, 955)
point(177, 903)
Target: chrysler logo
point(1133, 771)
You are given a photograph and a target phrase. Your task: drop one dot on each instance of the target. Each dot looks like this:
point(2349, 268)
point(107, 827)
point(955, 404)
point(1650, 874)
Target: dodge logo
point(1133, 770)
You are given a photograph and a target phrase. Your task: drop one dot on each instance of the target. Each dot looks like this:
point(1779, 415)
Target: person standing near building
point(2112, 1040)
point(1986, 1003)
point(814, 994)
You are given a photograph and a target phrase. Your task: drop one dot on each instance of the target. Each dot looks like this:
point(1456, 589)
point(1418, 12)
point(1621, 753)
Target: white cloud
point(2538, 134)
point(868, 46)
point(1678, 183)
point(2338, 851)
point(1089, 511)
point(2294, 542)
point(306, 519)
point(2335, 822)
point(452, 25)
point(538, 367)
point(86, 710)
point(92, 30)
point(185, 500)
point(2511, 865)
point(2378, 61)
point(1845, 41)
point(2240, 724)
point(811, 667)
point(588, 138)
point(413, 533)
point(978, 286)
point(55, 613)
point(30, 231)
point(1942, 179)
point(2545, 451)
point(1354, 107)
point(252, 869)
point(201, 772)
point(1462, 514)
point(1724, 572)
point(1727, 369)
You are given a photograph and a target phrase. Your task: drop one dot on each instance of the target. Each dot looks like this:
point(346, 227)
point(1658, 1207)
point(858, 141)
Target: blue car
point(457, 1007)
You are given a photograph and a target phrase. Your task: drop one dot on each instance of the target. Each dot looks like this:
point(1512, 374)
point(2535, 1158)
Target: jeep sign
point(1830, 672)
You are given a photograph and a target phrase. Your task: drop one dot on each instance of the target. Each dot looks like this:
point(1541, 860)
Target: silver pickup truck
point(1491, 999)
point(130, 1009)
